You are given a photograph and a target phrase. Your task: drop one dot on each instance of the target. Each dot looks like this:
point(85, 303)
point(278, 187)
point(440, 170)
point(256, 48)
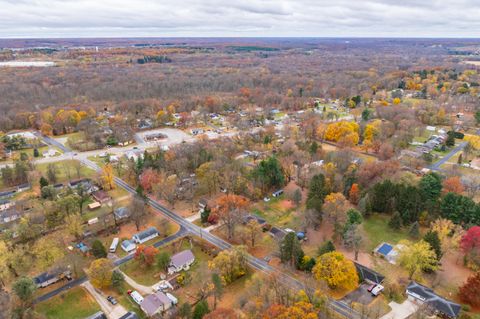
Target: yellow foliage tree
point(396, 101)
point(100, 273)
point(336, 270)
point(417, 257)
point(474, 141)
point(343, 129)
point(107, 177)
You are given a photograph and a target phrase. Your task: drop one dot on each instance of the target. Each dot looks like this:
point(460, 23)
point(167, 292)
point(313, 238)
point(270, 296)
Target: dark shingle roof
point(369, 274)
point(98, 315)
point(129, 315)
point(439, 303)
point(146, 233)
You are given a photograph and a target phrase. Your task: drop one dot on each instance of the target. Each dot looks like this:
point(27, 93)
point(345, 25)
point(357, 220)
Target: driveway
point(359, 295)
point(401, 311)
point(111, 311)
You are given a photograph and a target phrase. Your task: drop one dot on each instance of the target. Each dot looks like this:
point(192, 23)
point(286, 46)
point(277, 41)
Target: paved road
point(182, 232)
point(258, 264)
point(436, 166)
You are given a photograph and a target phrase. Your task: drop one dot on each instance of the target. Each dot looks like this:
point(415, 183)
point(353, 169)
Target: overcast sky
point(167, 18)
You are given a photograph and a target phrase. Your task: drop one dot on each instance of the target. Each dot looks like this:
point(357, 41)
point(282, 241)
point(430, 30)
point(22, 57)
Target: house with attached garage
point(181, 261)
point(436, 304)
point(145, 235)
point(50, 277)
point(155, 303)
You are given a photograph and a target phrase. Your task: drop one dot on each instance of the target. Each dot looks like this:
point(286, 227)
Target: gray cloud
point(316, 18)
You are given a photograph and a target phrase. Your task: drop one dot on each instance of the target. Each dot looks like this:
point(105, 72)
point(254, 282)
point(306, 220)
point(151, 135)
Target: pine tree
point(395, 222)
point(326, 247)
point(434, 241)
point(414, 231)
point(98, 250)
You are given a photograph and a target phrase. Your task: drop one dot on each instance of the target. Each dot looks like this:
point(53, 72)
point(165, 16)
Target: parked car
point(370, 288)
point(377, 290)
point(112, 300)
point(266, 199)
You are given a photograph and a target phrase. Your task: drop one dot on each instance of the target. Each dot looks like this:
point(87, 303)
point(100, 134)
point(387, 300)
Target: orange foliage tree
point(453, 184)
point(299, 310)
point(146, 254)
point(230, 210)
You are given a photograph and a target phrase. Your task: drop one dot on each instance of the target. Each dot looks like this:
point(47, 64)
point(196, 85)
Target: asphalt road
point(436, 166)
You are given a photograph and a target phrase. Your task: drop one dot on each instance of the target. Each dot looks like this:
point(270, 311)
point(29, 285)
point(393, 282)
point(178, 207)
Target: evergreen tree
point(326, 247)
point(205, 214)
point(414, 231)
point(317, 191)
point(290, 250)
point(118, 280)
point(450, 141)
point(395, 222)
point(434, 241)
point(201, 309)
point(98, 250)
point(35, 152)
point(43, 182)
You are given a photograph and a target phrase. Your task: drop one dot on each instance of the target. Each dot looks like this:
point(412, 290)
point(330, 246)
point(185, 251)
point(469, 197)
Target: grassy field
point(67, 170)
point(277, 213)
point(378, 231)
point(74, 304)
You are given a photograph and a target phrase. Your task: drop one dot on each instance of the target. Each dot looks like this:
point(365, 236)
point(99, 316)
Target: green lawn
point(150, 276)
point(67, 170)
point(73, 304)
point(378, 231)
point(275, 214)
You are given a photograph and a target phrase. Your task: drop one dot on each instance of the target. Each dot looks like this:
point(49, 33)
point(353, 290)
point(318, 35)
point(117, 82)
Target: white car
point(266, 199)
point(377, 290)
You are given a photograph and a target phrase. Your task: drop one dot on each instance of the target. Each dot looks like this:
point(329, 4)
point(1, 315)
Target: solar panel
point(385, 249)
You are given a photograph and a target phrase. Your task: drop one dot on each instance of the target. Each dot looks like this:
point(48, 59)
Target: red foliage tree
point(470, 242)
point(470, 291)
point(354, 194)
point(146, 254)
point(148, 178)
point(453, 185)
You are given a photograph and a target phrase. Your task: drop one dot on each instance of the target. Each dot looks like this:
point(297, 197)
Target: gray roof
point(129, 315)
point(437, 302)
point(153, 302)
point(146, 233)
point(366, 273)
point(98, 315)
point(122, 212)
point(182, 258)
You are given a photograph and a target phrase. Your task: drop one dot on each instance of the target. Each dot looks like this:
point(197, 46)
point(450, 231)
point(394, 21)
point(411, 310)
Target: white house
point(145, 235)
point(181, 261)
point(128, 246)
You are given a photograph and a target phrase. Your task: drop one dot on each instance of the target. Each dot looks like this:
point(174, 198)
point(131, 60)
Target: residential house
point(134, 155)
point(438, 305)
point(5, 204)
point(50, 277)
point(85, 183)
point(101, 196)
point(121, 213)
point(155, 303)
point(9, 215)
point(181, 261)
point(389, 252)
point(145, 235)
point(368, 275)
point(128, 246)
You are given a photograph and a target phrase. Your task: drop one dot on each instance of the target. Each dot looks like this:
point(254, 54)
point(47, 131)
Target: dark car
point(112, 300)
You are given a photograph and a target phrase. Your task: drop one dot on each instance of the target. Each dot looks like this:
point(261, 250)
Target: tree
point(83, 197)
point(325, 248)
point(43, 182)
point(24, 288)
point(450, 141)
point(317, 191)
point(417, 257)
point(201, 309)
point(414, 230)
point(453, 185)
point(297, 197)
point(146, 255)
point(100, 273)
point(230, 209)
point(252, 231)
point(221, 313)
point(431, 187)
point(352, 238)
point(299, 310)
point(336, 270)
point(74, 224)
point(107, 177)
point(230, 264)
point(149, 178)
point(138, 210)
point(354, 194)
point(98, 250)
point(470, 291)
point(470, 244)
point(269, 173)
point(477, 117)
point(118, 280)
point(47, 250)
point(185, 311)
point(217, 289)
point(162, 260)
point(396, 221)
point(335, 206)
point(366, 114)
point(208, 177)
point(36, 153)
point(460, 209)
point(205, 214)
point(291, 251)
point(431, 237)
point(343, 130)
